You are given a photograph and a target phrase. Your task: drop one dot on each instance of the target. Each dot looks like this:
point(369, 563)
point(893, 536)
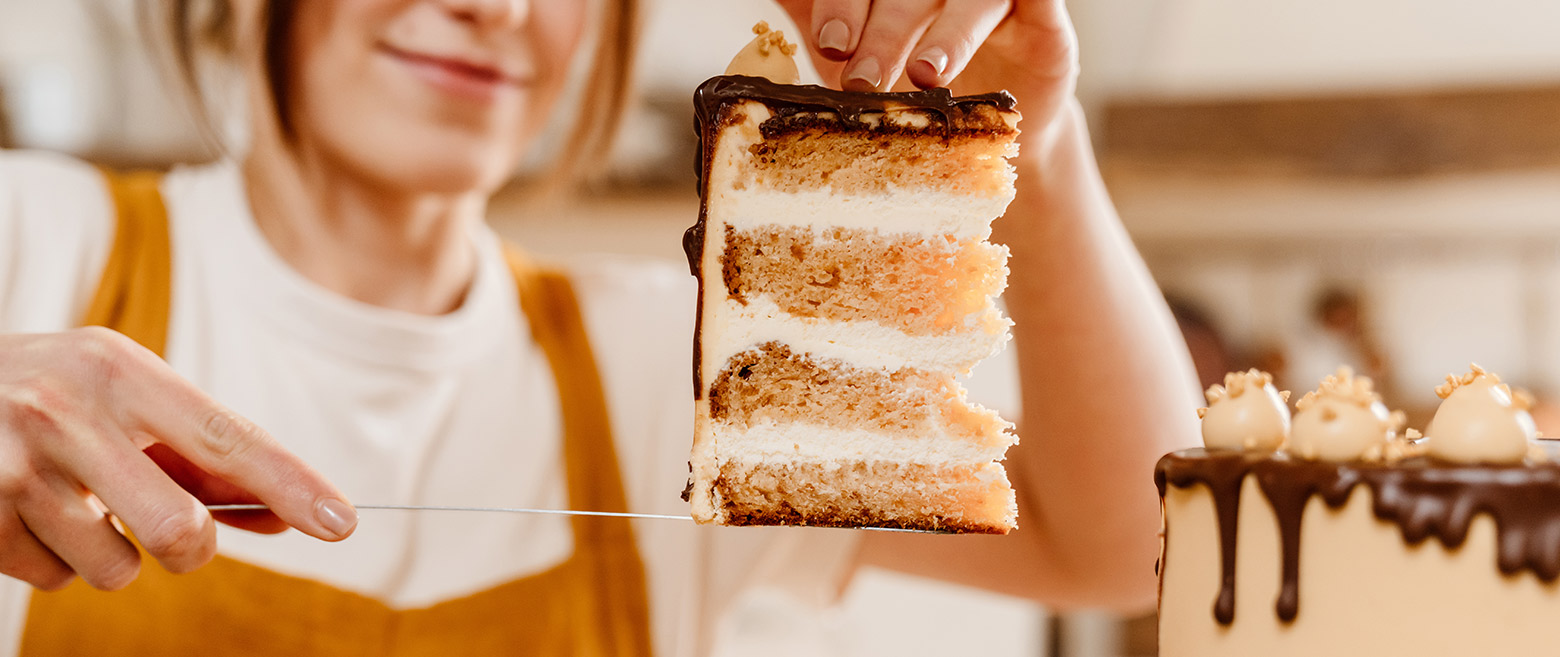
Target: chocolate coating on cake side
point(693, 246)
point(1422, 496)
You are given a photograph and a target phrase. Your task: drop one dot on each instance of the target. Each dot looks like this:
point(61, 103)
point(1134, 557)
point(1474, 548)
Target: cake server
point(554, 512)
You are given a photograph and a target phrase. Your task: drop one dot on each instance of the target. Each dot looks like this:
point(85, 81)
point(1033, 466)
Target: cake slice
point(846, 283)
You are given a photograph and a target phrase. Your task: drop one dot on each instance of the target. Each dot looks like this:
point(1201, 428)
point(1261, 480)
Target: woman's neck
point(362, 239)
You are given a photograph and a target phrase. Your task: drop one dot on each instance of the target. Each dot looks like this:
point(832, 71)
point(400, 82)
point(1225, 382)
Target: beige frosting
point(1481, 420)
point(1362, 591)
point(1247, 412)
point(1342, 420)
point(767, 56)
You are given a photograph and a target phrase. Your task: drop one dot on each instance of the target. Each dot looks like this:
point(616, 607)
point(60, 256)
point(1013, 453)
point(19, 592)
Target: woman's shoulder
point(61, 190)
point(56, 225)
point(36, 165)
point(42, 182)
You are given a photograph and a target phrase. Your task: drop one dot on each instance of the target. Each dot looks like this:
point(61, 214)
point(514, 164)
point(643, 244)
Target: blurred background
point(1313, 182)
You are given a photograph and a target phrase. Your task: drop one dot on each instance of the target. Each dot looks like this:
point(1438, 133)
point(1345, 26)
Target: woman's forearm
point(1107, 388)
point(1108, 385)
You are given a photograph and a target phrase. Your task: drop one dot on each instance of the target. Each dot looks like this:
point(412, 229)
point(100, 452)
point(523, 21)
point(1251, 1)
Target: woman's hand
point(1024, 46)
point(97, 434)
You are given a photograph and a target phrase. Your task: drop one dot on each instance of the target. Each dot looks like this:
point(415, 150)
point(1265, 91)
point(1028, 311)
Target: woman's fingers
point(836, 27)
point(81, 534)
point(169, 523)
point(865, 45)
point(230, 447)
point(212, 490)
point(892, 27)
point(84, 416)
point(952, 40)
point(25, 557)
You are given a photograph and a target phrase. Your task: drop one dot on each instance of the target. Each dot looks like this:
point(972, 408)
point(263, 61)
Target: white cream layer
point(737, 328)
point(919, 212)
point(789, 441)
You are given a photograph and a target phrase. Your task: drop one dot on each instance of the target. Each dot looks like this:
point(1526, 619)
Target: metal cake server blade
point(554, 512)
point(478, 509)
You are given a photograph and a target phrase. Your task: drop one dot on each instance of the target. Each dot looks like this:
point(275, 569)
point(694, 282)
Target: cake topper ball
point(1245, 413)
point(767, 56)
point(1481, 420)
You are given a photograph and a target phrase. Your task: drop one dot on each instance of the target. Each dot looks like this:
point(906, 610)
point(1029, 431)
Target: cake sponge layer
point(960, 498)
point(923, 285)
point(772, 384)
point(865, 161)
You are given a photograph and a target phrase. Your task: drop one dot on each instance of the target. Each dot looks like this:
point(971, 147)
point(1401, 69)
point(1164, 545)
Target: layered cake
point(1334, 534)
point(846, 284)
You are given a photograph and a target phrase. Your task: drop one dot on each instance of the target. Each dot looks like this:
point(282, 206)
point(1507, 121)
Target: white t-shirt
point(397, 408)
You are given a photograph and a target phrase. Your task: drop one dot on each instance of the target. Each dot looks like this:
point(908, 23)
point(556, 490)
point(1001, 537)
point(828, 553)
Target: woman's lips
point(457, 77)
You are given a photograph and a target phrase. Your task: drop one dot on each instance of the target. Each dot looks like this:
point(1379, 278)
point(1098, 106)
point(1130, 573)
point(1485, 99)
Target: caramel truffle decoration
point(1343, 420)
point(1480, 420)
point(1246, 413)
point(767, 56)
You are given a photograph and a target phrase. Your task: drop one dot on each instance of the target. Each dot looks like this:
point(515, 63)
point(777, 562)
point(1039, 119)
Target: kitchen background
point(1312, 181)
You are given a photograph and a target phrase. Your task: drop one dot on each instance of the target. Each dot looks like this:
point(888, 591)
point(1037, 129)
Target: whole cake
point(846, 282)
point(1313, 537)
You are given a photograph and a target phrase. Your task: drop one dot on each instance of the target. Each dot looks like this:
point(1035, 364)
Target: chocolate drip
point(1421, 496)
point(693, 246)
point(1223, 474)
point(687, 492)
point(1442, 502)
point(1288, 494)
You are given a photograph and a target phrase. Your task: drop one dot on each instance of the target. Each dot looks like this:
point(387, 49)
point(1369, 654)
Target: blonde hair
point(196, 29)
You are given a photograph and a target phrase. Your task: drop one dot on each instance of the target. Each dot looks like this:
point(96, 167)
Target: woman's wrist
point(1060, 190)
point(1050, 142)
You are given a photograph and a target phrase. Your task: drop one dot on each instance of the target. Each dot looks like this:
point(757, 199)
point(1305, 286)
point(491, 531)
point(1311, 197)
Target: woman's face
point(429, 95)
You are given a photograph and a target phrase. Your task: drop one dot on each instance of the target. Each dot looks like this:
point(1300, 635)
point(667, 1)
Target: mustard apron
point(593, 604)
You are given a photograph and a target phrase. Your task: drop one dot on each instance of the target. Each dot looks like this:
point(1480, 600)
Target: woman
point(336, 286)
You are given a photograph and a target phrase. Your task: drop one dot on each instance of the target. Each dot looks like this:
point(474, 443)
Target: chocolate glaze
point(693, 245)
point(785, 100)
point(1423, 497)
point(788, 99)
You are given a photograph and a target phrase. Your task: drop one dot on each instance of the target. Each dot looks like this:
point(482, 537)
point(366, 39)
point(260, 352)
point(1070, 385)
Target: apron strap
point(133, 295)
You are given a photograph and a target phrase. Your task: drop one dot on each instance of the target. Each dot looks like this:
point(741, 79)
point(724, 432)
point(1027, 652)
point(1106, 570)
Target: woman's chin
point(410, 152)
point(443, 173)
point(459, 178)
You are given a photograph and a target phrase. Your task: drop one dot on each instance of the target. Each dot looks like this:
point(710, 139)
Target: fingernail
point(336, 516)
point(936, 58)
point(835, 35)
point(866, 75)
